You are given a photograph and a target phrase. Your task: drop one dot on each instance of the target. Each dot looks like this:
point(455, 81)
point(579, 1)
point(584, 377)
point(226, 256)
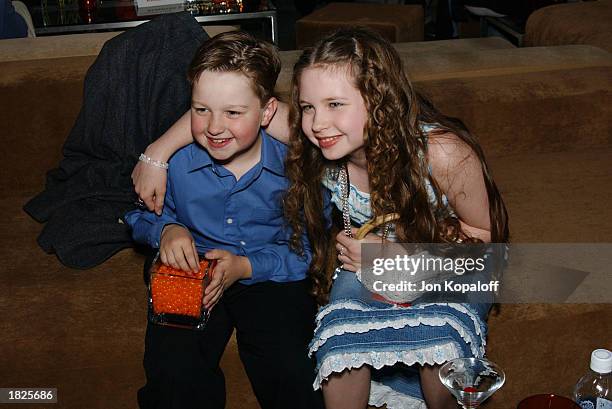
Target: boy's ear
point(269, 111)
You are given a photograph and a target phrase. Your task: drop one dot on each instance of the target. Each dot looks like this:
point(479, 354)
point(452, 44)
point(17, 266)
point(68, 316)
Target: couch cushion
point(558, 197)
point(72, 45)
point(69, 327)
point(498, 62)
point(39, 102)
point(395, 22)
point(546, 354)
point(530, 112)
point(457, 45)
point(572, 23)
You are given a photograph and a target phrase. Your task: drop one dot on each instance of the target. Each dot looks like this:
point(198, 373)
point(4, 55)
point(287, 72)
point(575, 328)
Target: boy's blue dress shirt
point(244, 217)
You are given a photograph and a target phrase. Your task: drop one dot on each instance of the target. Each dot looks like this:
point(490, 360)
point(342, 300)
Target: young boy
point(223, 199)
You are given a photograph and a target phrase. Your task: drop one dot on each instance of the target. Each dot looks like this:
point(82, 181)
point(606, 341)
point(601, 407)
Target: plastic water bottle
point(594, 390)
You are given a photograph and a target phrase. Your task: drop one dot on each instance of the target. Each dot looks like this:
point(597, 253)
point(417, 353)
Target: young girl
point(355, 117)
point(355, 114)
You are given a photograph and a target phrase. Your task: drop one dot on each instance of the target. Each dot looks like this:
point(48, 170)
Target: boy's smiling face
point(226, 116)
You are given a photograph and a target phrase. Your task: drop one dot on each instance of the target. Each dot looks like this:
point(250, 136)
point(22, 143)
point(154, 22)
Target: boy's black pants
point(274, 323)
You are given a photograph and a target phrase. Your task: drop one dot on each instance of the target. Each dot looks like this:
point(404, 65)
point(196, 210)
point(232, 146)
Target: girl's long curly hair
point(394, 146)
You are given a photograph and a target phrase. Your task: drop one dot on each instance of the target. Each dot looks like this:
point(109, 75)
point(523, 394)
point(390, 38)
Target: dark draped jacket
point(135, 90)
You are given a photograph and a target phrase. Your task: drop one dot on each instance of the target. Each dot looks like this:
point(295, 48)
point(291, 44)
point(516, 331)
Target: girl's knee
point(355, 377)
point(349, 389)
point(436, 395)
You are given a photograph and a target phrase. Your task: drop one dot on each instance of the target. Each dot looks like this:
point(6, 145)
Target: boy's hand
point(229, 269)
point(177, 249)
point(150, 185)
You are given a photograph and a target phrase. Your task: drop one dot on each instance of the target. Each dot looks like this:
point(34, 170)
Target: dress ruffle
point(380, 395)
point(401, 317)
point(338, 363)
point(355, 330)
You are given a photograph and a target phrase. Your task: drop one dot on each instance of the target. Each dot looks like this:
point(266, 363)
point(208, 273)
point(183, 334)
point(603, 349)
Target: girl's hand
point(150, 181)
point(150, 185)
point(229, 269)
point(349, 250)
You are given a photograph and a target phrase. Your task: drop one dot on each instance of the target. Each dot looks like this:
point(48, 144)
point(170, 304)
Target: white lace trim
point(396, 323)
point(353, 305)
point(475, 319)
point(345, 305)
point(381, 394)
point(340, 362)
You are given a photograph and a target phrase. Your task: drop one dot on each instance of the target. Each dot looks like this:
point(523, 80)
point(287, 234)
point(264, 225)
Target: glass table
point(79, 16)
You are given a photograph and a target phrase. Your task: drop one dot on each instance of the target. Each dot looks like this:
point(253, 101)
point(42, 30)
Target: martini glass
point(471, 380)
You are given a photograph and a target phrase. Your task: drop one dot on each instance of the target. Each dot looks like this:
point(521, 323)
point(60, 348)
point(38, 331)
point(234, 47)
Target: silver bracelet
point(157, 163)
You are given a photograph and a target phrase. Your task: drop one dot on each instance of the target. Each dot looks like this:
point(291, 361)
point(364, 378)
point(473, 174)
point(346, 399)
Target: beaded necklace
point(343, 179)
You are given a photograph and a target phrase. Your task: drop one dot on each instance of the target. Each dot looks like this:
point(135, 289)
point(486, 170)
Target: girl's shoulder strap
point(426, 128)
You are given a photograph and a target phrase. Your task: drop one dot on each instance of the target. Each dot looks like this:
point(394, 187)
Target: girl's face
point(333, 112)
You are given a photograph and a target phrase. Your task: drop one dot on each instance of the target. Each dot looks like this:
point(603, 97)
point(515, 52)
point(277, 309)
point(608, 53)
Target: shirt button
point(230, 221)
point(242, 243)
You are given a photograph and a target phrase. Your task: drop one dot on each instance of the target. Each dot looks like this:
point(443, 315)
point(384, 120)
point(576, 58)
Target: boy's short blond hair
point(237, 51)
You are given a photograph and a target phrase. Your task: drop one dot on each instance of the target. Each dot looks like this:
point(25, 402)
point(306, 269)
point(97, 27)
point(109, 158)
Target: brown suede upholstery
point(37, 48)
point(69, 45)
point(397, 23)
point(543, 116)
point(445, 46)
point(572, 23)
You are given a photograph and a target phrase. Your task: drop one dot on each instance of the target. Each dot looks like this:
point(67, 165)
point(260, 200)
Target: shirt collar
point(272, 158)
point(199, 157)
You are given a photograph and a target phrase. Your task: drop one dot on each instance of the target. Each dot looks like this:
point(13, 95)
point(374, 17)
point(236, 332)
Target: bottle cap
point(601, 361)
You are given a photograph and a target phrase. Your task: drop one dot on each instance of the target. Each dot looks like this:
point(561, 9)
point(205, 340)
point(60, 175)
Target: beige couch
point(543, 116)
